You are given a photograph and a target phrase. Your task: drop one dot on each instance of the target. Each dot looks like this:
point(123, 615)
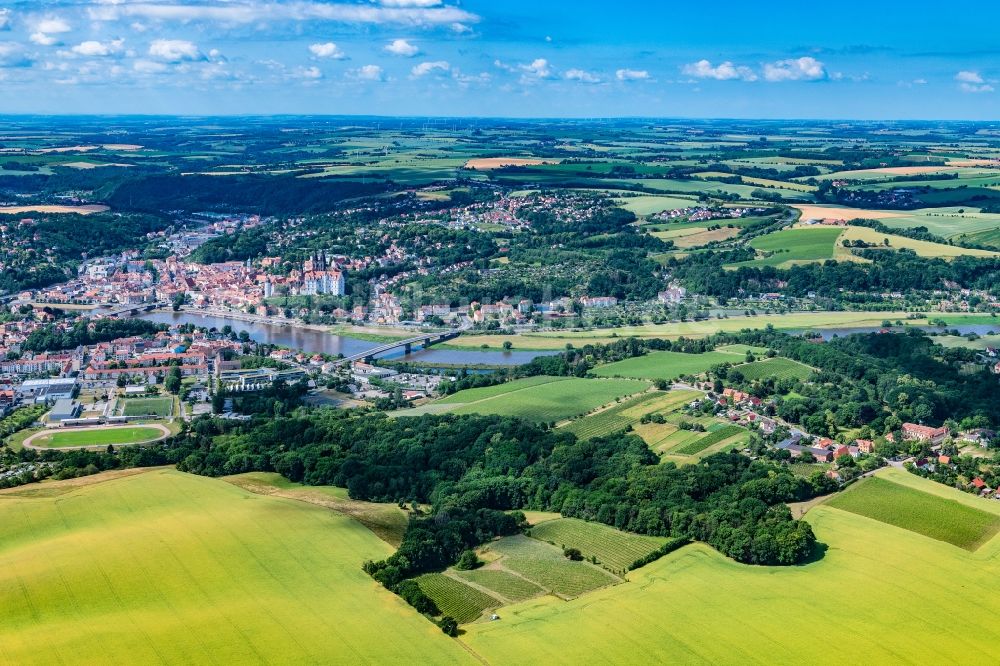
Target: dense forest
point(266, 195)
point(899, 271)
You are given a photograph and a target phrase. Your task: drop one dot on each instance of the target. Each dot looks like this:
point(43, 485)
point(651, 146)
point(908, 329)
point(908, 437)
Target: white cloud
point(95, 49)
point(368, 73)
point(42, 39)
point(410, 3)
point(459, 28)
point(5, 15)
point(174, 50)
point(312, 73)
point(795, 69)
point(969, 77)
point(148, 67)
point(12, 55)
point(725, 71)
point(391, 12)
point(436, 66)
point(402, 47)
point(973, 82)
point(632, 75)
point(327, 50)
point(536, 69)
point(52, 25)
point(581, 75)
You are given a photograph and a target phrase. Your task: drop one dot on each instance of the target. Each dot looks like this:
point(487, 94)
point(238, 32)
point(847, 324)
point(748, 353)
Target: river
point(314, 341)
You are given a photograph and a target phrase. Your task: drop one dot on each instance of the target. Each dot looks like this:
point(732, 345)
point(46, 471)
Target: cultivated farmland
point(777, 368)
point(672, 609)
point(553, 401)
point(795, 246)
point(666, 364)
point(627, 413)
point(546, 566)
point(455, 598)
point(614, 549)
point(920, 512)
point(502, 583)
point(169, 567)
point(700, 444)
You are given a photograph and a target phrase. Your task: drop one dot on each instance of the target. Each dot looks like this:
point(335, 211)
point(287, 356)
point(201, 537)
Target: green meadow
point(795, 246)
point(666, 364)
point(776, 368)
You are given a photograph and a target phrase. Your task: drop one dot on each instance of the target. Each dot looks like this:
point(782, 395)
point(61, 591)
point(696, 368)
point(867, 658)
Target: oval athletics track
point(29, 443)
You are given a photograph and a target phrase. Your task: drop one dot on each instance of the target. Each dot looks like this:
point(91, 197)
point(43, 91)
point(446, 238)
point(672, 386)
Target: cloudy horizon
point(511, 59)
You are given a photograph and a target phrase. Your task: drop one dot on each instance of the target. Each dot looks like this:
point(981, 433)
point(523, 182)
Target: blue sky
point(502, 58)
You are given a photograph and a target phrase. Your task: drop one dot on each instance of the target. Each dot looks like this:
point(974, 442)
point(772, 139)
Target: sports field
point(666, 364)
point(872, 575)
point(165, 567)
point(148, 406)
point(551, 401)
point(95, 436)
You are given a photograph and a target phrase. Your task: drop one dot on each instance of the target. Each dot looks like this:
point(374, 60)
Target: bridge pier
point(408, 348)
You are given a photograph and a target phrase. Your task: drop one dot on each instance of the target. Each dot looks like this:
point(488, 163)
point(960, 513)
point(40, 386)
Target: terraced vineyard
point(455, 598)
point(503, 583)
point(614, 549)
point(546, 565)
point(627, 413)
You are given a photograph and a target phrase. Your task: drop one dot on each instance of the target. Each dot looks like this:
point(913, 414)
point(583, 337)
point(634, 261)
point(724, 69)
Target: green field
point(98, 437)
point(628, 412)
point(666, 364)
point(165, 567)
point(614, 549)
point(795, 321)
point(795, 246)
point(475, 394)
point(503, 584)
point(777, 368)
point(148, 406)
point(897, 584)
point(716, 436)
point(455, 598)
point(920, 512)
point(552, 401)
point(385, 519)
point(546, 566)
